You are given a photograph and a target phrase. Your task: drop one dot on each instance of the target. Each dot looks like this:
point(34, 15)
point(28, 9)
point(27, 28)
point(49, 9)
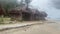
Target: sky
point(47, 6)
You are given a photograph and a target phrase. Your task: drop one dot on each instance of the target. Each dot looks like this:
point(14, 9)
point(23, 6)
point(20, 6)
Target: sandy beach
point(48, 27)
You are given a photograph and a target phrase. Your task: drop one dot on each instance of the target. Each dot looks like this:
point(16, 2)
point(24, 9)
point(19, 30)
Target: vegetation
point(9, 4)
point(27, 2)
point(4, 20)
point(6, 5)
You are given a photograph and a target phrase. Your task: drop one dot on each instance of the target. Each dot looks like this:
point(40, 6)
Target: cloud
point(56, 4)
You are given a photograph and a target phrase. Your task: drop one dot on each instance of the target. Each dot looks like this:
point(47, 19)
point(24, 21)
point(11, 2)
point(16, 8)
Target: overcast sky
point(47, 5)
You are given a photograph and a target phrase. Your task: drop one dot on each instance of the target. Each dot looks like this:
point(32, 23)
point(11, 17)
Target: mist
point(51, 7)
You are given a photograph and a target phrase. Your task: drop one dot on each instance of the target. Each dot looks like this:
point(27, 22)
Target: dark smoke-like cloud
point(56, 4)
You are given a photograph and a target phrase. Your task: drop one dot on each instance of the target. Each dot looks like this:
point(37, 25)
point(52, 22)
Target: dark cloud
point(56, 3)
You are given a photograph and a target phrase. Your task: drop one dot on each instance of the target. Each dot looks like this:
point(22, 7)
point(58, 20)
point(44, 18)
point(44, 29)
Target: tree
point(27, 2)
point(8, 4)
point(22, 3)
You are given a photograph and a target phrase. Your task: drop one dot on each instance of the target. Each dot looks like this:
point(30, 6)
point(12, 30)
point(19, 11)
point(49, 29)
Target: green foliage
point(1, 20)
point(4, 20)
point(8, 4)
